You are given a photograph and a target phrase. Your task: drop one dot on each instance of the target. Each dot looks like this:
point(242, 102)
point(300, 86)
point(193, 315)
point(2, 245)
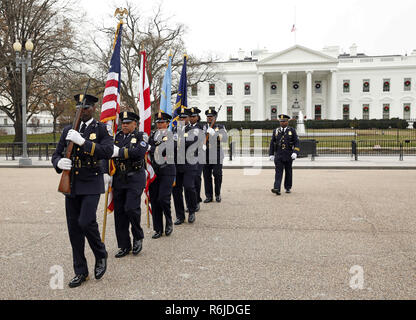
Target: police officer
point(195, 122)
point(284, 149)
point(160, 190)
point(91, 144)
point(129, 181)
point(214, 156)
point(185, 171)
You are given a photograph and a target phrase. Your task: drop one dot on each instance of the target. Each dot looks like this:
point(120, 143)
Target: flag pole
point(120, 14)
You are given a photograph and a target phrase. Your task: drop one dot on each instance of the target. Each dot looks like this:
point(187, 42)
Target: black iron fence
point(40, 151)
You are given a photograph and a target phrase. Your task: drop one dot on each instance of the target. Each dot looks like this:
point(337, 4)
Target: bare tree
point(50, 25)
point(159, 37)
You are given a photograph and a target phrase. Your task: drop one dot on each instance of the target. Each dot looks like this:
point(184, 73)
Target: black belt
point(82, 163)
point(129, 166)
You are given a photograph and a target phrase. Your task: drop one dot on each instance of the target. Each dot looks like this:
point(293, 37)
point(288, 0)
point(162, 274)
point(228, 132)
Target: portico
point(297, 79)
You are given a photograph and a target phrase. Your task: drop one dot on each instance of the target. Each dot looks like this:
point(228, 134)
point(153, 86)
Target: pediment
point(297, 55)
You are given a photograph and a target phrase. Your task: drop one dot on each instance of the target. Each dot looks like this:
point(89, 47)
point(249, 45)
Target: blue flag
point(182, 99)
point(166, 94)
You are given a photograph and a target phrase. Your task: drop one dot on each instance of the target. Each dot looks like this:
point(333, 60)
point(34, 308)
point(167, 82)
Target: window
point(386, 85)
point(247, 113)
point(318, 87)
point(346, 86)
point(247, 88)
point(229, 89)
point(212, 89)
point(273, 112)
point(273, 88)
point(386, 111)
point(318, 112)
point(5, 121)
point(407, 84)
point(229, 114)
point(366, 85)
point(194, 90)
point(366, 112)
point(346, 112)
point(406, 111)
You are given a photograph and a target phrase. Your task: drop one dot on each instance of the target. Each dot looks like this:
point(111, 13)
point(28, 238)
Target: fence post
point(354, 149)
point(12, 151)
point(47, 152)
point(401, 152)
point(40, 151)
point(231, 151)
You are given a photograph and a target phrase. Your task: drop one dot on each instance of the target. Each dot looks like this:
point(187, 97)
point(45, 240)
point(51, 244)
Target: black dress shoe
point(157, 235)
point(122, 253)
point(100, 268)
point(169, 230)
point(288, 191)
point(78, 280)
point(198, 207)
point(276, 191)
point(218, 198)
point(208, 200)
point(137, 246)
point(178, 222)
point(191, 218)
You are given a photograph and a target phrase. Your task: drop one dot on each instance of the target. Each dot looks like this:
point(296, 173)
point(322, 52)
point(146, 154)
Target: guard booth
point(307, 147)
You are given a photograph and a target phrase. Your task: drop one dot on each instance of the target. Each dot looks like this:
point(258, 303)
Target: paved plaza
point(338, 228)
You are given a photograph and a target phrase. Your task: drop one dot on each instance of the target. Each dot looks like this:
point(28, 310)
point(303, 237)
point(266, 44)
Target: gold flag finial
point(120, 13)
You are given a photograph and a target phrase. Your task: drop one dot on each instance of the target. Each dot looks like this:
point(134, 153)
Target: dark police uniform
point(198, 176)
point(185, 175)
point(214, 159)
point(160, 190)
point(86, 186)
point(284, 143)
point(129, 182)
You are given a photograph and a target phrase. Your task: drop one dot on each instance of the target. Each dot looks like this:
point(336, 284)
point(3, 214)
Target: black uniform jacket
point(283, 145)
point(86, 173)
point(162, 140)
point(221, 136)
point(130, 164)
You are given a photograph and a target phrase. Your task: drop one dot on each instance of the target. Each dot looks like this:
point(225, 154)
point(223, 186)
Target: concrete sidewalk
point(379, 163)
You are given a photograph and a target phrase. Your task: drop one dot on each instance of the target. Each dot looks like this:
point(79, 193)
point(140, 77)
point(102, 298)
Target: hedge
point(321, 124)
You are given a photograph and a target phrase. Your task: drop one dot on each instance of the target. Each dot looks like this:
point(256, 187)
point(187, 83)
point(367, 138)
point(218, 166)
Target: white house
point(38, 123)
point(323, 84)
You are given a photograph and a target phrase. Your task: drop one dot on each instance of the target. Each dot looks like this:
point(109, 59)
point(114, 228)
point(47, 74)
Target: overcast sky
point(223, 26)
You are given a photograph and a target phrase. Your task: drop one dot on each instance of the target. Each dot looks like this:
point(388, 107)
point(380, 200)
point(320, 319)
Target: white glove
point(115, 152)
point(294, 156)
point(271, 158)
point(107, 181)
point(65, 164)
point(204, 147)
point(75, 137)
point(211, 131)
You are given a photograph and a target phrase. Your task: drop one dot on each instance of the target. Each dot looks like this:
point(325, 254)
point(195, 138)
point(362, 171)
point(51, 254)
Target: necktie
point(83, 127)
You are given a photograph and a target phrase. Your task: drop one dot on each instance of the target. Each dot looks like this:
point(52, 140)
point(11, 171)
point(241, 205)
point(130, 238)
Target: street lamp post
point(23, 62)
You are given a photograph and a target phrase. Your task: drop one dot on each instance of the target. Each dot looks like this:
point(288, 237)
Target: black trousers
point(127, 212)
point(280, 166)
point(198, 182)
point(160, 192)
point(184, 181)
point(209, 171)
point(82, 223)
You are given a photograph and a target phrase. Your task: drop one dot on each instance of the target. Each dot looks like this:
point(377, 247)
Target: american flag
point(110, 108)
point(145, 113)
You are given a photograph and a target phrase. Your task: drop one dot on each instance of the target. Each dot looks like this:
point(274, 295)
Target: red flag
point(145, 114)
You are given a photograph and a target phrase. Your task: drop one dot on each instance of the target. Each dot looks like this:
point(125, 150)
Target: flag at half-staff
point(110, 110)
point(145, 113)
point(182, 98)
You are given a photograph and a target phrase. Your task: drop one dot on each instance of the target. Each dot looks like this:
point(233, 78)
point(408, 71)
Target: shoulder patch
point(143, 144)
point(145, 137)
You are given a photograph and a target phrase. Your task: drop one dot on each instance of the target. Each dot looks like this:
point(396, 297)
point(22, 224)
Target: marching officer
point(129, 181)
point(185, 171)
point(284, 149)
point(195, 122)
point(160, 189)
point(91, 144)
point(214, 156)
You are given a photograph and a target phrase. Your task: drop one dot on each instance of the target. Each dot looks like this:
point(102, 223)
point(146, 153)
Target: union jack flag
point(110, 108)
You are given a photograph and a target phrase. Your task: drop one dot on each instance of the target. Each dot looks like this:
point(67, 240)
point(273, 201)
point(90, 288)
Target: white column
point(284, 92)
point(308, 95)
point(334, 96)
point(260, 98)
